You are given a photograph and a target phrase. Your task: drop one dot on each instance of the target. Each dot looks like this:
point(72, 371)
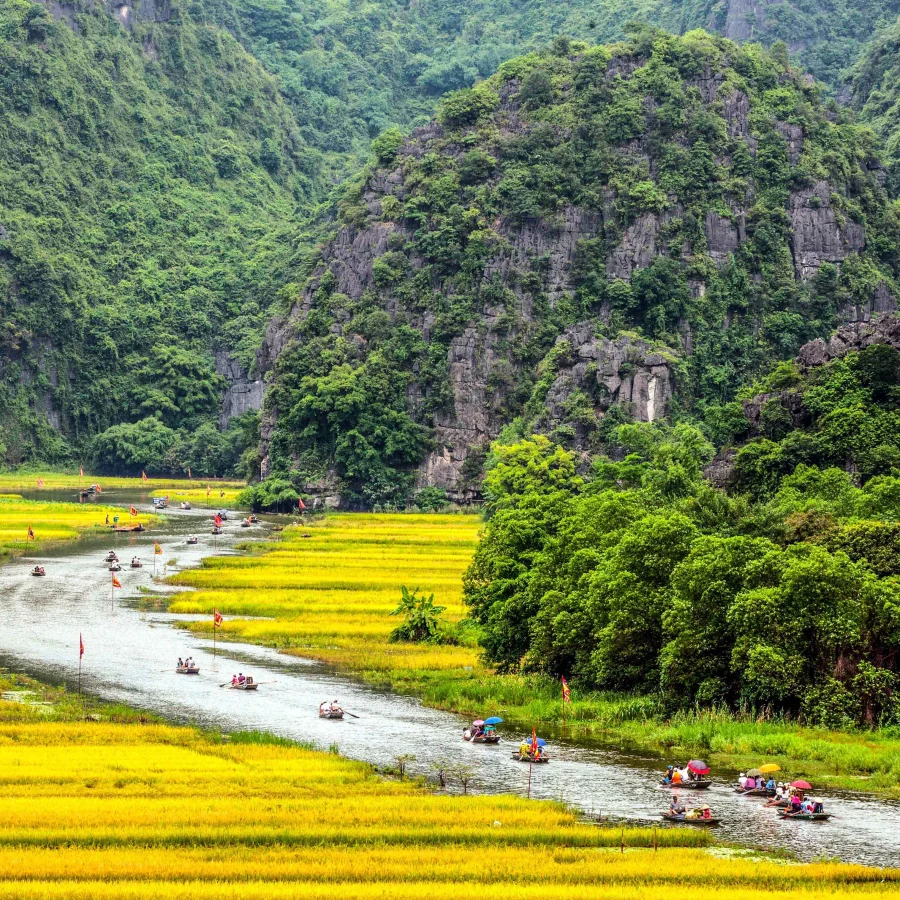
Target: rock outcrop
point(242, 394)
point(881, 329)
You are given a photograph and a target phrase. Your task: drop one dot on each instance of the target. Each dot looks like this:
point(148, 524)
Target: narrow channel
point(130, 655)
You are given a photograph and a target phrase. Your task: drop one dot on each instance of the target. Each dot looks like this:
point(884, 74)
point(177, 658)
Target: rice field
point(329, 587)
point(100, 809)
point(52, 522)
point(222, 493)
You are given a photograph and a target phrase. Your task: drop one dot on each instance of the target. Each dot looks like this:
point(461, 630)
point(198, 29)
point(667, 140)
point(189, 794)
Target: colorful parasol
point(698, 767)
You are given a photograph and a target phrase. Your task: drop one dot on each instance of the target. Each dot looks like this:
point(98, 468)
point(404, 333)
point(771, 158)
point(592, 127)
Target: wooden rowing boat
point(331, 714)
point(187, 670)
point(246, 686)
point(137, 564)
point(756, 792)
point(807, 817)
point(483, 739)
point(530, 759)
point(37, 571)
point(688, 785)
point(684, 820)
point(127, 529)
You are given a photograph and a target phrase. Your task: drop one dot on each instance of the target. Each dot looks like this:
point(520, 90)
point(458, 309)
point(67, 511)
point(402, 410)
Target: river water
point(130, 655)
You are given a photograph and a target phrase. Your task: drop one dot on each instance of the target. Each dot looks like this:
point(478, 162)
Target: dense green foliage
point(667, 130)
point(146, 183)
point(642, 577)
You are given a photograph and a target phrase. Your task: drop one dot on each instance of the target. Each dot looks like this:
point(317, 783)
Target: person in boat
point(334, 706)
point(248, 679)
point(241, 678)
point(706, 812)
point(796, 801)
point(676, 807)
point(234, 679)
point(180, 663)
point(668, 777)
point(677, 777)
point(524, 749)
point(742, 781)
point(323, 707)
point(770, 785)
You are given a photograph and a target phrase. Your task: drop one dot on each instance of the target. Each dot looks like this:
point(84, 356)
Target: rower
point(241, 678)
point(676, 807)
point(234, 679)
point(334, 706)
point(180, 663)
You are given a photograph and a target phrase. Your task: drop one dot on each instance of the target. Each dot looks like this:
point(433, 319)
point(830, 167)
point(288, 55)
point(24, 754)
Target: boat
point(136, 564)
point(755, 792)
point(111, 557)
point(38, 570)
point(696, 785)
point(483, 731)
point(490, 738)
point(115, 567)
point(331, 714)
point(127, 529)
point(684, 820)
point(216, 529)
point(248, 685)
point(187, 670)
point(530, 759)
point(184, 505)
point(252, 519)
point(193, 539)
point(245, 523)
point(223, 515)
point(807, 817)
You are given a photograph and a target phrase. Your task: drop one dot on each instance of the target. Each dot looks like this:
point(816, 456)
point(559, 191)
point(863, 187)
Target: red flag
point(300, 504)
point(40, 482)
point(218, 520)
point(217, 618)
point(207, 490)
point(143, 475)
point(80, 645)
point(30, 533)
point(99, 489)
point(157, 550)
point(567, 697)
point(534, 743)
point(81, 471)
point(116, 582)
point(133, 511)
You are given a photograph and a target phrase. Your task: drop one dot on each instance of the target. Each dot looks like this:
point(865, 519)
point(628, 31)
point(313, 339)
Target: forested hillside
point(592, 235)
point(148, 179)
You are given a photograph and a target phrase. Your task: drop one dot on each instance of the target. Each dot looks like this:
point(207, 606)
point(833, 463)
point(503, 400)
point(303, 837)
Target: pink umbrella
point(802, 785)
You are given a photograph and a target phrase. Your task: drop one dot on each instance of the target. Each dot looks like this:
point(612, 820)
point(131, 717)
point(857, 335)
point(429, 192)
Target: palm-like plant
point(422, 616)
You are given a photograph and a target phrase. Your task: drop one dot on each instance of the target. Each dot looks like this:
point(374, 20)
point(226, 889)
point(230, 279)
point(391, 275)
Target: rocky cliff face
point(471, 216)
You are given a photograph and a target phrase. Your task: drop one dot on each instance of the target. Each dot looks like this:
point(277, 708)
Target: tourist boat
point(684, 820)
point(111, 557)
point(252, 519)
point(755, 792)
point(216, 529)
point(695, 785)
point(248, 685)
point(115, 567)
point(331, 714)
point(193, 539)
point(136, 564)
point(184, 505)
point(187, 670)
point(38, 570)
point(807, 817)
point(528, 758)
point(223, 515)
point(127, 529)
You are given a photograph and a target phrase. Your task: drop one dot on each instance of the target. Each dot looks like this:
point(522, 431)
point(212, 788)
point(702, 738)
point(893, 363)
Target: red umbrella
point(698, 767)
point(803, 785)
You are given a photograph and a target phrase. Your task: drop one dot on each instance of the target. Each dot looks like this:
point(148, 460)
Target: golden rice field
point(329, 587)
point(95, 809)
point(222, 493)
point(52, 522)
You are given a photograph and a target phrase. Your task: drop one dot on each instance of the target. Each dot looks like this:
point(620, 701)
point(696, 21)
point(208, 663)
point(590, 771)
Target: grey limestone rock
point(818, 236)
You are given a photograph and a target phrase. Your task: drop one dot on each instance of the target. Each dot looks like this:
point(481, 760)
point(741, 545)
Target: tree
point(422, 618)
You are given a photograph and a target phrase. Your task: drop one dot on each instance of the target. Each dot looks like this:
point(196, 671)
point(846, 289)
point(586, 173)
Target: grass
point(222, 493)
point(328, 588)
point(134, 808)
point(52, 522)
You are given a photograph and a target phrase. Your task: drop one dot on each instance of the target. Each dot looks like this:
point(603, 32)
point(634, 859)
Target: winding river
point(129, 656)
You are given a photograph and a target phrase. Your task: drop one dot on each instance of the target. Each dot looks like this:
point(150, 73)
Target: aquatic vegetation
point(52, 522)
point(100, 809)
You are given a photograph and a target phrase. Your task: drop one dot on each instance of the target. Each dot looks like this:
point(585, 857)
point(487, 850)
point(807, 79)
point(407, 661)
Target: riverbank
point(327, 590)
point(29, 526)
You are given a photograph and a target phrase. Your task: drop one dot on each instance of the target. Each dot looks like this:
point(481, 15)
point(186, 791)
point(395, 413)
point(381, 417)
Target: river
point(129, 656)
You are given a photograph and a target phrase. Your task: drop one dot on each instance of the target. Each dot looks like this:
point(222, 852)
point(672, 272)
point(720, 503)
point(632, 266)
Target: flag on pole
point(218, 520)
point(133, 511)
point(99, 489)
point(81, 471)
point(80, 645)
point(157, 550)
point(116, 582)
point(143, 475)
point(40, 482)
point(207, 490)
point(217, 618)
point(534, 743)
point(30, 533)
point(300, 504)
point(567, 696)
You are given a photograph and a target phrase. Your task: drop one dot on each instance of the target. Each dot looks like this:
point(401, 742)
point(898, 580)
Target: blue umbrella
point(542, 742)
point(493, 720)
